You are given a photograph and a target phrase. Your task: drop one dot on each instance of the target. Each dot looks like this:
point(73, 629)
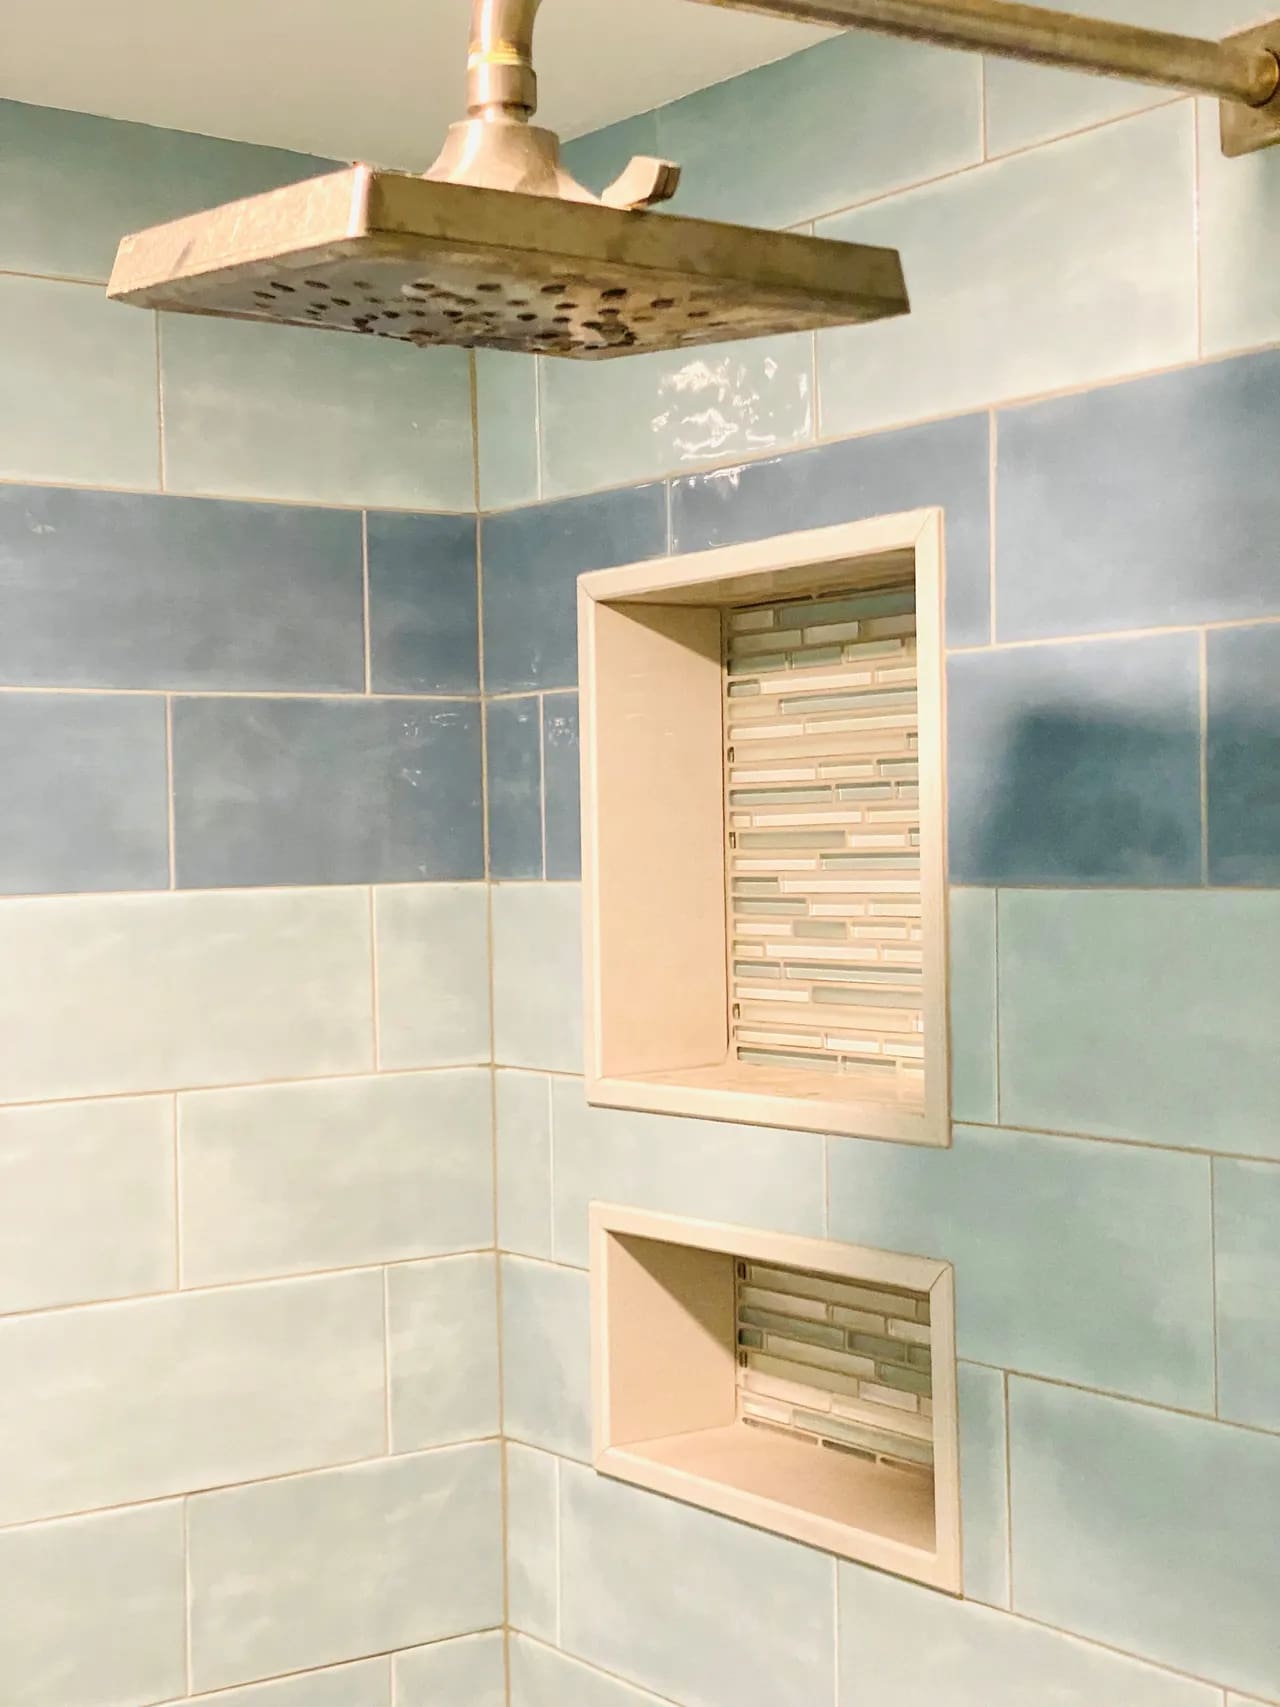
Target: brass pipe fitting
point(501, 83)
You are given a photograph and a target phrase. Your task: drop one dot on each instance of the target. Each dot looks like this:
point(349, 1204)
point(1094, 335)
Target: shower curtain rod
point(1243, 71)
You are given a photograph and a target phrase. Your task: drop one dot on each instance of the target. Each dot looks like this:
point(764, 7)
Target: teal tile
point(1149, 1016)
point(902, 1646)
point(1246, 1202)
point(533, 1541)
point(467, 1672)
point(1239, 241)
point(1153, 1532)
point(750, 1175)
point(537, 976)
point(546, 1334)
point(1026, 275)
point(840, 133)
point(984, 1496)
point(80, 387)
point(597, 158)
point(708, 1613)
point(1086, 1262)
point(72, 185)
point(974, 1063)
point(607, 423)
point(522, 1113)
point(544, 1677)
point(507, 417)
point(442, 1349)
point(274, 411)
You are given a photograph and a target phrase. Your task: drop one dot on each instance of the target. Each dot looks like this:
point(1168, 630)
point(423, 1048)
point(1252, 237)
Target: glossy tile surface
point(522, 1110)
point(1122, 1293)
point(972, 991)
point(1026, 274)
point(537, 976)
point(532, 559)
point(507, 421)
point(1076, 764)
point(146, 992)
point(946, 463)
point(280, 1179)
point(423, 604)
point(113, 1234)
point(1147, 1530)
point(1246, 1202)
point(442, 1319)
point(543, 1677)
point(652, 1589)
point(398, 1553)
point(513, 786)
point(272, 411)
point(326, 791)
point(1118, 509)
point(1239, 200)
point(984, 1468)
point(80, 385)
point(1243, 755)
point(562, 804)
point(130, 590)
point(432, 945)
point(1170, 999)
point(533, 1532)
point(85, 791)
point(466, 1672)
point(546, 1345)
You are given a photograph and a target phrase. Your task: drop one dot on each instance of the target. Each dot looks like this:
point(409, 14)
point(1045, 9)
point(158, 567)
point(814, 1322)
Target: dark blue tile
point(946, 463)
point(85, 793)
point(1141, 505)
point(1244, 755)
point(424, 623)
point(513, 776)
point(326, 791)
point(1077, 764)
point(532, 560)
point(119, 589)
point(561, 785)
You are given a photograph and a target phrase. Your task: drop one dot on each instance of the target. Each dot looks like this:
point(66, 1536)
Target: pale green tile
point(533, 1541)
point(537, 975)
point(367, 1683)
point(546, 1345)
point(1149, 1016)
point(838, 130)
point(467, 1672)
point(544, 1677)
point(609, 423)
point(1025, 275)
point(80, 387)
point(71, 185)
point(522, 1108)
point(507, 418)
point(442, 1346)
point(904, 1646)
point(433, 974)
point(255, 411)
point(1153, 1532)
point(984, 1498)
point(974, 1063)
point(1246, 1202)
point(1239, 242)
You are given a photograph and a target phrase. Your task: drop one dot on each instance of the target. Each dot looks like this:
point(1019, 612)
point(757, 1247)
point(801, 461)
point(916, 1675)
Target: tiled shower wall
point(248, 1368)
point(1085, 388)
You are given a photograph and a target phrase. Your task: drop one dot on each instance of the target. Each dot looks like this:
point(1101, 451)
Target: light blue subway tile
point(544, 1677)
point(432, 948)
point(259, 411)
point(1076, 764)
point(424, 618)
point(1122, 1293)
point(507, 421)
point(523, 1115)
point(546, 1335)
point(1247, 1225)
point(751, 1175)
point(847, 135)
point(984, 1495)
point(903, 1646)
point(1153, 1532)
point(974, 1064)
point(85, 788)
point(1142, 1016)
point(562, 800)
point(513, 786)
point(80, 387)
point(1025, 275)
point(1243, 755)
point(326, 791)
point(708, 1613)
point(1119, 509)
point(533, 1541)
point(1239, 210)
point(71, 185)
point(607, 423)
point(537, 976)
point(442, 1324)
point(469, 1671)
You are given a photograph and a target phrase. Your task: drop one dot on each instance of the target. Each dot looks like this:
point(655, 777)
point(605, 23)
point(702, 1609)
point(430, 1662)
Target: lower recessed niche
point(799, 1385)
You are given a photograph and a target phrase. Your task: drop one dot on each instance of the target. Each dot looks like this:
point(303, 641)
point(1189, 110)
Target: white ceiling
point(361, 79)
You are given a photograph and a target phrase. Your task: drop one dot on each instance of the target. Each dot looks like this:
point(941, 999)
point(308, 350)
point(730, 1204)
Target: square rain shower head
point(431, 263)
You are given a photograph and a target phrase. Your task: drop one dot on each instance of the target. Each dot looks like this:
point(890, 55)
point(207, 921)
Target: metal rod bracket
point(1245, 130)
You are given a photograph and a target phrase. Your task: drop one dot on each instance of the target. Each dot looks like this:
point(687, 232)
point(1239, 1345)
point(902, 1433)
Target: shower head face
point(430, 263)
